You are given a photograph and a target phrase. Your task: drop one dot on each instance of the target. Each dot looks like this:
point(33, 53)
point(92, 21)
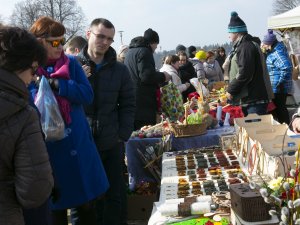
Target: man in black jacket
point(111, 115)
point(248, 83)
point(140, 62)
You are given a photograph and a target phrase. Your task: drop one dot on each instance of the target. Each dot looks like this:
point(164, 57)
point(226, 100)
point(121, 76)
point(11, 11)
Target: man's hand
point(87, 70)
point(229, 96)
point(296, 125)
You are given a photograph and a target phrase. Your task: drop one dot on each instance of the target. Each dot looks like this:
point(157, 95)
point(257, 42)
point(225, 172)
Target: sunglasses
point(56, 43)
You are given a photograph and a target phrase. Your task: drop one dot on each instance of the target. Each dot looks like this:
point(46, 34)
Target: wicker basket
point(187, 130)
point(218, 85)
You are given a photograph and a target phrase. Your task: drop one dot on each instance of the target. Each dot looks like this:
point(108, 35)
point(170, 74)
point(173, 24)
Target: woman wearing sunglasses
point(77, 168)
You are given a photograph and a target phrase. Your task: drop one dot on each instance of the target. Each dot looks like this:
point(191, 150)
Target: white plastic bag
point(52, 122)
point(200, 88)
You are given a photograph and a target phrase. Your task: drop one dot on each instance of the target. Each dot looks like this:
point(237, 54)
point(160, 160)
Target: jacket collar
point(110, 57)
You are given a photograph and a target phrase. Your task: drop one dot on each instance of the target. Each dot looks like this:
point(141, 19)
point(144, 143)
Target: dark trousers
point(280, 113)
point(259, 109)
point(37, 216)
point(110, 208)
point(84, 215)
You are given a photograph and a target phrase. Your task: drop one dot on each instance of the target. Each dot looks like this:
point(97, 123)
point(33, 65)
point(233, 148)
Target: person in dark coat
point(186, 72)
point(140, 62)
point(248, 85)
point(191, 51)
point(25, 173)
point(221, 56)
point(111, 115)
point(78, 171)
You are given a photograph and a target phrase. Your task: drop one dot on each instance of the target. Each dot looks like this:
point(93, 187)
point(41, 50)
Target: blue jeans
point(259, 109)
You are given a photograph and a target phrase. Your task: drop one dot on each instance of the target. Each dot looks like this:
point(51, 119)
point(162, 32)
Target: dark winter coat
point(146, 79)
point(187, 72)
point(112, 112)
point(25, 173)
point(247, 82)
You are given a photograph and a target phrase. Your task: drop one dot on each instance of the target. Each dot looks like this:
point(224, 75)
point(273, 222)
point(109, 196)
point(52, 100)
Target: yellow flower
point(275, 184)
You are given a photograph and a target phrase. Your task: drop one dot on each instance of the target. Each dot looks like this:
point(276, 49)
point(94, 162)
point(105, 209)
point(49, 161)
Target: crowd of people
point(102, 97)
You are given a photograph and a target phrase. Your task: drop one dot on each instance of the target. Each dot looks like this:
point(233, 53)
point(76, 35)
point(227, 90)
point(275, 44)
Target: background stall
point(288, 26)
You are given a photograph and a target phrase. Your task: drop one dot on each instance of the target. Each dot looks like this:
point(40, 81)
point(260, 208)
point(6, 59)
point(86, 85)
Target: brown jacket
point(25, 173)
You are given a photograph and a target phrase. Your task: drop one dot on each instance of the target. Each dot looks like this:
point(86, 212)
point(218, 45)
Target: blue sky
point(187, 22)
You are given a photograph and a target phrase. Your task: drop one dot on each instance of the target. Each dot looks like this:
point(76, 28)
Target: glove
point(53, 82)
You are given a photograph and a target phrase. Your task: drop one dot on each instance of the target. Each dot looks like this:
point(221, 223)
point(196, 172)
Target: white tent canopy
point(288, 19)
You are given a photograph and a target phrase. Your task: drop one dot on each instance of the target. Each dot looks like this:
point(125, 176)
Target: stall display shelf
point(193, 183)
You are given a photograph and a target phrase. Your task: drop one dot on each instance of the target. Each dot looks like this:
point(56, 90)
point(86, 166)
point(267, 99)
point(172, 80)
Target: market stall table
point(135, 166)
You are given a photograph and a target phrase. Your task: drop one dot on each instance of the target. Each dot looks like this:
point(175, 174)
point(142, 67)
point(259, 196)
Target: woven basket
point(218, 85)
point(187, 130)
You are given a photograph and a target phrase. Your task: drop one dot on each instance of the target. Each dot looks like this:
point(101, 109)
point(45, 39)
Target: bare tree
point(281, 6)
point(65, 11)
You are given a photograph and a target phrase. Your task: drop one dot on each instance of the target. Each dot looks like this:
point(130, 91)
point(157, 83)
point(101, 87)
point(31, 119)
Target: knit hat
point(122, 50)
point(236, 24)
point(151, 36)
point(180, 48)
point(191, 49)
point(270, 38)
point(200, 55)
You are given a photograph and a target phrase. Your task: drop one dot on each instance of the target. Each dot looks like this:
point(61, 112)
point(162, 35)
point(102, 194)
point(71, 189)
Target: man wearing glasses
point(111, 115)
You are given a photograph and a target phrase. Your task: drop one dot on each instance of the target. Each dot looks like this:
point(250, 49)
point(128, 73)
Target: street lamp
point(121, 36)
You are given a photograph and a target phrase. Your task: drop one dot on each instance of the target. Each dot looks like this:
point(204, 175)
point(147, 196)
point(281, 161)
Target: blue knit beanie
point(270, 38)
point(236, 24)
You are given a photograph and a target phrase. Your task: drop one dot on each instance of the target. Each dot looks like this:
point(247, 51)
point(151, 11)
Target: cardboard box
point(261, 141)
point(140, 206)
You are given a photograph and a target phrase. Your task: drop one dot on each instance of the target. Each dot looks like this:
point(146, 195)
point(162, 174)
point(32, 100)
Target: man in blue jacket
point(111, 115)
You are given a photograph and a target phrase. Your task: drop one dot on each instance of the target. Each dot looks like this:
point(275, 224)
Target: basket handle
point(186, 112)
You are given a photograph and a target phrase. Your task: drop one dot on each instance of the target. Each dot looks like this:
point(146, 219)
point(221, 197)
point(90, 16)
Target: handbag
point(53, 125)
point(171, 102)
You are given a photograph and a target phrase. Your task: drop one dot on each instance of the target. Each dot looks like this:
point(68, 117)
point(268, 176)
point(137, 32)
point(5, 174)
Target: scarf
point(60, 70)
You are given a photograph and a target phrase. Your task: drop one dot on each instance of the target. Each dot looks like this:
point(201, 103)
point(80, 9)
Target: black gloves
point(53, 82)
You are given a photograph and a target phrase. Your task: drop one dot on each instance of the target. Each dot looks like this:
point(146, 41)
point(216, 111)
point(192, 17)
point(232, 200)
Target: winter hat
point(122, 50)
point(200, 55)
point(192, 49)
point(180, 48)
point(151, 36)
point(236, 24)
point(270, 38)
